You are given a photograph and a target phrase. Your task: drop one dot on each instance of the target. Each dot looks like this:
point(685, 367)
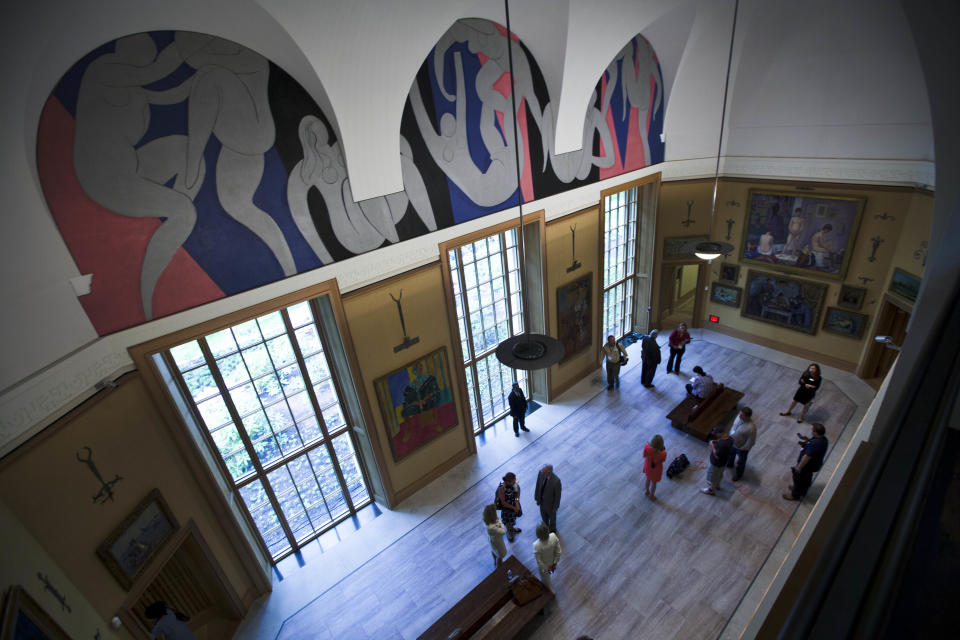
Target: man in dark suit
point(650, 354)
point(518, 408)
point(547, 495)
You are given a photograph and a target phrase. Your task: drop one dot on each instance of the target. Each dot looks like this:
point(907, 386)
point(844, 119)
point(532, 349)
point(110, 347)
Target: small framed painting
point(136, 541)
point(906, 285)
point(851, 297)
point(729, 272)
point(680, 247)
point(725, 294)
point(23, 618)
point(846, 323)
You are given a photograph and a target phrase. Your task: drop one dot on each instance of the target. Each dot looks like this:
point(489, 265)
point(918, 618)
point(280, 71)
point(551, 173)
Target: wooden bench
point(489, 610)
point(698, 418)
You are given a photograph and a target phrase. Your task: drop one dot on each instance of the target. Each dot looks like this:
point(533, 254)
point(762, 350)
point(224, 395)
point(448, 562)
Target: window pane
point(308, 340)
point(268, 388)
point(300, 314)
point(247, 333)
point(281, 351)
point(233, 370)
point(245, 398)
point(221, 343)
point(187, 355)
point(200, 383)
point(343, 447)
point(214, 412)
point(271, 325)
point(264, 517)
point(257, 360)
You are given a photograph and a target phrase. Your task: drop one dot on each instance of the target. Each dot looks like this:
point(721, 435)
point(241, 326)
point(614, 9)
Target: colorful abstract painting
point(181, 167)
point(417, 403)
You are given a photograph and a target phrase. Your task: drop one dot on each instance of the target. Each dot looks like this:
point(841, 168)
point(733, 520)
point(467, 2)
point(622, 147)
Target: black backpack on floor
point(678, 465)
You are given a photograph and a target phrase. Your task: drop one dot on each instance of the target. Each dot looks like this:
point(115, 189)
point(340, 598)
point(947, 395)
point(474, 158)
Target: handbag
point(496, 498)
point(623, 359)
point(526, 589)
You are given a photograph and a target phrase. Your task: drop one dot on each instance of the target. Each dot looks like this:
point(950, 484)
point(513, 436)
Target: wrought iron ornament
point(730, 223)
point(62, 599)
point(732, 203)
point(689, 220)
point(885, 216)
point(877, 241)
point(921, 253)
point(407, 341)
point(573, 250)
point(106, 488)
point(865, 280)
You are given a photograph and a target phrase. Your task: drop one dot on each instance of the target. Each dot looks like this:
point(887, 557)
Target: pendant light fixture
point(526, 351)
point(713, 249)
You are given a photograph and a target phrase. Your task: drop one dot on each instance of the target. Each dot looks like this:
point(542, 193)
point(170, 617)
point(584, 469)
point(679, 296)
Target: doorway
point(892, 320)
point(678, 294)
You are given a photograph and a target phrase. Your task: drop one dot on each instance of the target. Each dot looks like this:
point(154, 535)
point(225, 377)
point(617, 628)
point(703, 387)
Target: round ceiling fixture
point(711, 250)
point(530, 351)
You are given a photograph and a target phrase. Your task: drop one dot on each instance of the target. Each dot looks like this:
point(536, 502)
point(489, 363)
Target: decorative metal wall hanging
point(877, 241)
point(885, 216)
point(730, 222)
point(689, 220)
point(106, 488)
point(573, 250)
point(407, 341)
point(62, 599)
point(732, 203)
point(865, 280)
point(921, 253)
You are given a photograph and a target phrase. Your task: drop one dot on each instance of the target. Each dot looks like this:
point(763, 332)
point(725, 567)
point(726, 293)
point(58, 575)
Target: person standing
point(654, 454)
point(547, 551)
point(613, 352)
point(678, 345)
point(650, 353)
point(508, 499)
point(744, 436)
point(810, 381)
point(170, 625)
point(495, 533)
point(547, 495)
point(812, 451)
point(518, 408)
point(719, 452)
point(701, 385)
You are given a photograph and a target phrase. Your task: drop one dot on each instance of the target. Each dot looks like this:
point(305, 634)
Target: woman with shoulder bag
point(508, 501)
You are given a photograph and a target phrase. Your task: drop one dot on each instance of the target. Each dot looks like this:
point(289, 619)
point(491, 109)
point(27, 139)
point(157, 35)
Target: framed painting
point(574, 315)
point(677, 249)
point(729, 272)
point(801, 233)
point(784, 301)
point(725, 294)
point(136, 541)
point(417, 402)
point(846, 323)
point(851, 297)
point(906, 285)
point(23, 619)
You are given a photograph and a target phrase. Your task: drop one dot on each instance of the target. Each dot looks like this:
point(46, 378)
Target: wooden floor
point(632, 568)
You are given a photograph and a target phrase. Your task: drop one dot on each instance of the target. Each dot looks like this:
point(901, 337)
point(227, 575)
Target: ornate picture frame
point(575, 315)
point(24, 618)
point(725, 294)
point(851, 297)
point(845, 323)
point(675, 248)
point(729, 273)
point(134, 543)
point(904, 284)
point(785, 301)
point(417, 402)
point(801, 233)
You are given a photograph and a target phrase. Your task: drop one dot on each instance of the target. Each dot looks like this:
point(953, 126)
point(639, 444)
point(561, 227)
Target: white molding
point(912, 173)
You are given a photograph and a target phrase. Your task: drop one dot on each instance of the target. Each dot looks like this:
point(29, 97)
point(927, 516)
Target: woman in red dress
point(654, 455)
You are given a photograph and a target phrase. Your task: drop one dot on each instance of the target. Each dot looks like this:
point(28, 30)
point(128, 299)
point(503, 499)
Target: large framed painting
point(801, 233)
point(905, 285)
point(130, 547)
point(679, 248)
point(725, 294)
point(417, 403)
point(24, 619)
point(845, 323)
point(784, 301)
point(574, 315)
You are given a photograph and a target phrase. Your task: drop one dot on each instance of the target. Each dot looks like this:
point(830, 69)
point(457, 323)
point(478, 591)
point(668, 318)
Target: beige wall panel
point(558, 257)
point(375, 327)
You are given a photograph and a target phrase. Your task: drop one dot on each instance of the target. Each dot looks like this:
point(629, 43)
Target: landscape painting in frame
point(574, 316)
point(784, 301)
point(417, 403)
point(725, 294)
point(846, 323)
point(136, 541)
point(905, 285)
point(801, 233)
point(680, 248)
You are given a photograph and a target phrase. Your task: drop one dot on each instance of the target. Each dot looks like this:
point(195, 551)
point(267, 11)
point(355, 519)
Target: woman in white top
point(495, 532)
point(547, 551)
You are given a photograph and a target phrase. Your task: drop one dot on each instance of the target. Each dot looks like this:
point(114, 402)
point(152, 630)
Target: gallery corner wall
point(375, 326)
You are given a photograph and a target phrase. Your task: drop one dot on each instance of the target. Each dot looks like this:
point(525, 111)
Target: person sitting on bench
point(701, 385)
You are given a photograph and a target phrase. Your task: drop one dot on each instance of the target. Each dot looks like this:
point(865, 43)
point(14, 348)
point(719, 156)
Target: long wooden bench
point(699, 418)
point(489, 610)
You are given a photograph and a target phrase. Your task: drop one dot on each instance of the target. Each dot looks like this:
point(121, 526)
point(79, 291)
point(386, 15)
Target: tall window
point(270, 407)
point(619, 261)
point(486, 290)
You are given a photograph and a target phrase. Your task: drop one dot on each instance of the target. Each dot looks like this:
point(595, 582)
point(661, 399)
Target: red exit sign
point(715, 319)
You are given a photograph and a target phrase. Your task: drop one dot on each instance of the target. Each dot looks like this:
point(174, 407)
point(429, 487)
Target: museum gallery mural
point(181, 167)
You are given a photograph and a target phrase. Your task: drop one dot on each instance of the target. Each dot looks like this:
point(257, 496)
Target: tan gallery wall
point(50, 492)
point(900, 217)
point(375, 327)
point(559, 258)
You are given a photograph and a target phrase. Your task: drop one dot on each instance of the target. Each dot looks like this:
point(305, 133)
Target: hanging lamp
point(527, 351)
point(712, 249)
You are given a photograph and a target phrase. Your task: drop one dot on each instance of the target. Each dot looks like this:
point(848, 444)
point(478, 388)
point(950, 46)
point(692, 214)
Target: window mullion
point(468, 327)
point(248, 445)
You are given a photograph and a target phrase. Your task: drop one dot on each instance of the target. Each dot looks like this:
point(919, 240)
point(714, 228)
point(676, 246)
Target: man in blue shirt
point(812, 452)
